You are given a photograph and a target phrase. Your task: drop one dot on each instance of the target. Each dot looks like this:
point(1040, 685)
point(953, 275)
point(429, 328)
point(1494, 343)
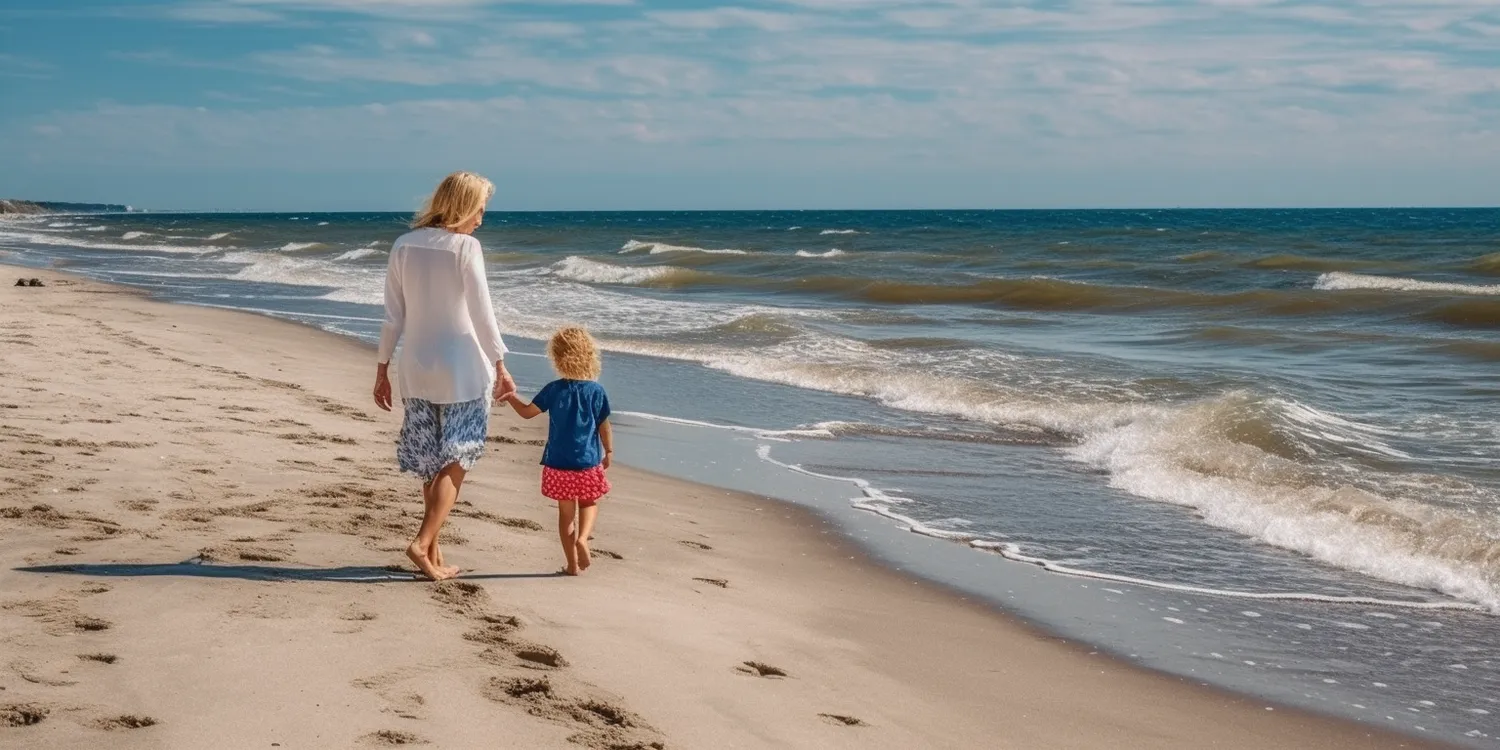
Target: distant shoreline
point(28, 208)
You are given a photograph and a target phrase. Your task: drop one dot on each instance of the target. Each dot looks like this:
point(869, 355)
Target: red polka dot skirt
point(586, 486)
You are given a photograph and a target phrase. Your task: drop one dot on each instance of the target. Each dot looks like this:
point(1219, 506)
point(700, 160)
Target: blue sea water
point(1267, 439)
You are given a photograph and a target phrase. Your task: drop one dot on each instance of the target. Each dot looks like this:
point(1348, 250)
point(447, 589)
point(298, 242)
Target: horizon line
point(136, 210)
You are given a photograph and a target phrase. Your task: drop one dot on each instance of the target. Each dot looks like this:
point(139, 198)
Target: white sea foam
point(839, 231)
point(356, 254)
point(292, 247)
point(364, 284)
point(218, 235)
point(99, 228)
point(657, 248)
point(57, 240)
point(763, 434)
point(588, 271)
point(134, 235)
point(322, 223)
point(1202, 455)
point(834, 253)
point(60, 224)
point(882, 502)
point(1183, 455)
point(1343, 281)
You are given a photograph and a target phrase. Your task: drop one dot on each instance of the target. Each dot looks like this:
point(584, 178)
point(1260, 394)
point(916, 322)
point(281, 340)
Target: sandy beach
point(201, 535)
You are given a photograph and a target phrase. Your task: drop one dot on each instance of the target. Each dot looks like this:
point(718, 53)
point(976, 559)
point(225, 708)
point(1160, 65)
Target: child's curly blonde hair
point(574, 354)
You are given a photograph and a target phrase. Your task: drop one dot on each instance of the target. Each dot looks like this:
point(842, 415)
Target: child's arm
point(523, 409)
point(607, 437)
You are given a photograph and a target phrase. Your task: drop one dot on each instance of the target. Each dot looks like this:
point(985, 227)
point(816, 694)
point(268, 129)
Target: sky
point(675, 104)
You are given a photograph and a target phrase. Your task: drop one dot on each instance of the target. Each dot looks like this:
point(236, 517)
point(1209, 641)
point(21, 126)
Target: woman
point(437, 304)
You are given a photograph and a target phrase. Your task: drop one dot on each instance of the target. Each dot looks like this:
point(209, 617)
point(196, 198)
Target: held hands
point(382, 388)
point(505, 386)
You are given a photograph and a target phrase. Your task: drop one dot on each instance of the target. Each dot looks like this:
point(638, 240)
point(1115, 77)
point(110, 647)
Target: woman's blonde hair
point(574, 354)
point(458, 200)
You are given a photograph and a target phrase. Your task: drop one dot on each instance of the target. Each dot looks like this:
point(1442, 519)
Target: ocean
point(1257, 448)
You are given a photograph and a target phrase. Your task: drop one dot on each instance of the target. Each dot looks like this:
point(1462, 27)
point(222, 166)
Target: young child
point(579, 440)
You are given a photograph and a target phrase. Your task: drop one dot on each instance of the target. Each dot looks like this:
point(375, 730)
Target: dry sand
point(137, 435)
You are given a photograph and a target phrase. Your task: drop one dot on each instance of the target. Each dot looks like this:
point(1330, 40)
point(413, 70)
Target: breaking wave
point(657, 248)
point(356, 254)
point(588, 271)
point(1338, 281)
point(294, 247)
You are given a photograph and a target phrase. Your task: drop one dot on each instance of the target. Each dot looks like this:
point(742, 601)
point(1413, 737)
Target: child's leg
point(444, 492)
point(567, 513)
point(586, 516)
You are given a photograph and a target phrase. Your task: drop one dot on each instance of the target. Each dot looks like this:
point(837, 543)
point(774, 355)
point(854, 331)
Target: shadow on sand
point(198, 568)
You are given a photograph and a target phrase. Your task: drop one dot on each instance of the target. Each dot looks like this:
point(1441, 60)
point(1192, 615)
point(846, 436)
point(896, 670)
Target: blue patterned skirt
point(436, 435)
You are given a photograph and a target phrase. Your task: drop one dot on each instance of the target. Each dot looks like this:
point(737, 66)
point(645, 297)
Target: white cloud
point(1081, 86)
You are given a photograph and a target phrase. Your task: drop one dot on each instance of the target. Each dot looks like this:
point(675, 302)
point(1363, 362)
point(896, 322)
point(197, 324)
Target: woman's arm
point(482, 316)
point(390, 330)
point(607, 438)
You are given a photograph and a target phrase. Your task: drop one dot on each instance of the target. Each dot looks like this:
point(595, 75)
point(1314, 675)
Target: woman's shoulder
point(435, 238)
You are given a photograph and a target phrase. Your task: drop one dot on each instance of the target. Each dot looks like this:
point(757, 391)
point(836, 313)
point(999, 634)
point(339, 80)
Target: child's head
point(573, 354)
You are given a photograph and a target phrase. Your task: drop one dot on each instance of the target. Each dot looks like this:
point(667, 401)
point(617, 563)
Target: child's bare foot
point(418, 554)
point(585, 559)
point(571, 570)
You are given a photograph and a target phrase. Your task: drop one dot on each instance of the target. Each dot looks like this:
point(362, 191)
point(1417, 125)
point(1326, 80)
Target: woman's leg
point(435, 553)
point(567, 514)
point(586, 516)
point(444, 492)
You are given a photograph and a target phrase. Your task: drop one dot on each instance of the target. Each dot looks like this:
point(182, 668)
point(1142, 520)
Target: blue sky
point(636, 104)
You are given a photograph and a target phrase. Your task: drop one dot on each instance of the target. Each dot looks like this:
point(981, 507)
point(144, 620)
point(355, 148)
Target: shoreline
point(921, 649)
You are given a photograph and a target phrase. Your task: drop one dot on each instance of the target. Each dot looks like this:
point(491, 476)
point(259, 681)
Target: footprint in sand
point(128, 721)
point(22, 714)
point(392, 737)
point(607, 725)
point(761, 669)
point(597, 552)
point(695, 545)
point(515, 523)
point(720, 582)
point(496, 630)
point(842, 720)
point(101, 658)
point(537, 656)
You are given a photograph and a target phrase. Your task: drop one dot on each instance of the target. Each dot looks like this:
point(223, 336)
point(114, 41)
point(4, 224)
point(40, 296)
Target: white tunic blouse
point(437, 304)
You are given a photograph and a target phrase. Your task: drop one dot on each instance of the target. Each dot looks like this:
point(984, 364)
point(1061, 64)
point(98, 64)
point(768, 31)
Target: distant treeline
point(45, 207)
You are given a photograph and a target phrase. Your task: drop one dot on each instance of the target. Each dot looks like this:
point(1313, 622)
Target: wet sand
point(201, 535)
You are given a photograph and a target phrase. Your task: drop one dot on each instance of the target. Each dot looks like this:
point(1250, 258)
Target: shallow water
point(1217, 405)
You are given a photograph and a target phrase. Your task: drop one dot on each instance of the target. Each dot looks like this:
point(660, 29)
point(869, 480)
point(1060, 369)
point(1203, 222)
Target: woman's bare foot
point(570, 571)
point(585, 558)
point(418, 554)
point(449, 571)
